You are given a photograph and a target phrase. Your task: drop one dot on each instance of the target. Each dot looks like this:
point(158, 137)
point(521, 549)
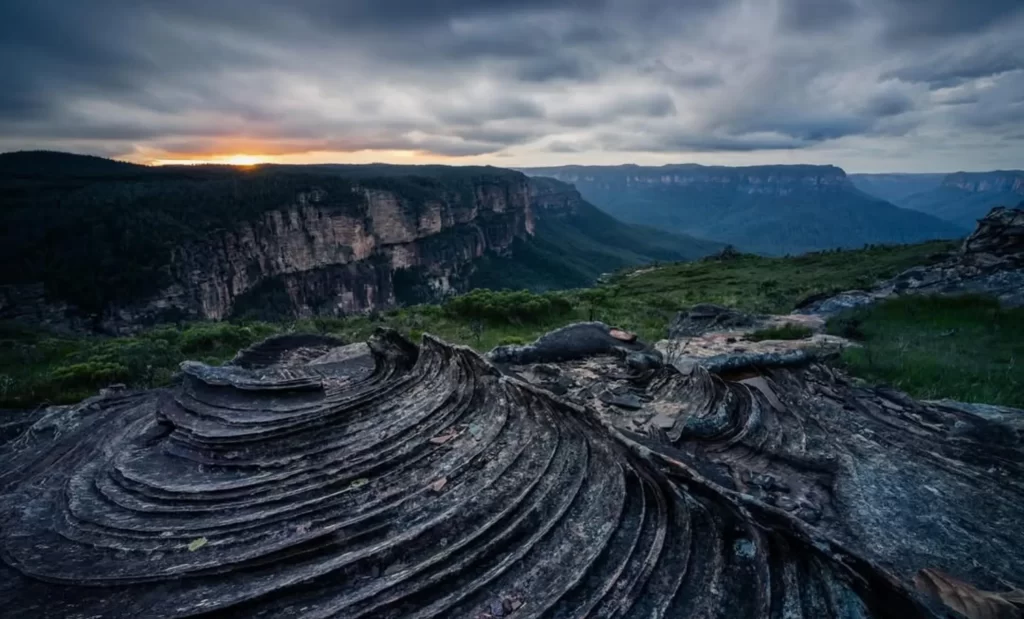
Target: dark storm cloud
point(917, 19)
point(888, 103)
point(507, 77)
point(557, 68)
point(815, 15)
point(683, 141)
point(959, 65)
point(475, 112)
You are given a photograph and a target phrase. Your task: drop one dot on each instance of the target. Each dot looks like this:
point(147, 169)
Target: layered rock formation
point(990, 262)
point(394, 480)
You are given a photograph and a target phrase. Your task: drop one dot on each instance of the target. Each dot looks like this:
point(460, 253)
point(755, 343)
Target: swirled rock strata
point(395, 480)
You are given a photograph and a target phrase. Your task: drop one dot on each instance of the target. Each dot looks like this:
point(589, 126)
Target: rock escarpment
point(989, 262)
point(395, 480)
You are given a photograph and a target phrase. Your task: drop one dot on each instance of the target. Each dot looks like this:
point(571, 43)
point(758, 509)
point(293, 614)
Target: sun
point(242, 160)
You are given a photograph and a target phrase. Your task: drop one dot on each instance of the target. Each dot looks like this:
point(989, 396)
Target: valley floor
point(967, 349)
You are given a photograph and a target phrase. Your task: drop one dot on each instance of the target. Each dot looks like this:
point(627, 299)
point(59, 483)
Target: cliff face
point(329, 260)
point(553, 199)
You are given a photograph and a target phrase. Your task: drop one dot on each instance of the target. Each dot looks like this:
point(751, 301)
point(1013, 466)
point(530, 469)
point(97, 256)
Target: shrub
point(512, 340)
point(847, 325)
point(90, 374)
point(784, 332)
point(518, 307)
point(211, 337)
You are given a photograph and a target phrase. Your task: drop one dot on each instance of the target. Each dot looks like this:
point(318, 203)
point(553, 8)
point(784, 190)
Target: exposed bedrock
point(394, 480)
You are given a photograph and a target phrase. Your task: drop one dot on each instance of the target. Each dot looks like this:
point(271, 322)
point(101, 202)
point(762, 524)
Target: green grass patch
point(645, 300)
point(39, 367)
point(966, 348)
point(784, 332)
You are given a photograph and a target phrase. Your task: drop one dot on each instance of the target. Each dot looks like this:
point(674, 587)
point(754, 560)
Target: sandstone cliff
point(331, 260)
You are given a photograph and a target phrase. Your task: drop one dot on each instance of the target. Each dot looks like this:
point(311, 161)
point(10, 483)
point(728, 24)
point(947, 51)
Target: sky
point(869, 85)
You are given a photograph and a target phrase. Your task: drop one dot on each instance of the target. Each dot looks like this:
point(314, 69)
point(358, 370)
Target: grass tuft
point(965, 348)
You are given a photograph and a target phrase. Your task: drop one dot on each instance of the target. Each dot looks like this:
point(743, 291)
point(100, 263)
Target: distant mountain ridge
point(961, 198)
point(775, 209)
point(83, 238)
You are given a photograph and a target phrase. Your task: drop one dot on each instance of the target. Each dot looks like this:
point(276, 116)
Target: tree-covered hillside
point(573, 250)
point(895, 188)
point(97, 232)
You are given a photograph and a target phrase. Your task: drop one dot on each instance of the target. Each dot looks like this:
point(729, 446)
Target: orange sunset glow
point(248, 159)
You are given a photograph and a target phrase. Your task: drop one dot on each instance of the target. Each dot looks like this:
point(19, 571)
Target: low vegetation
point(784, 332)
point(964, 348)
point(39, 367)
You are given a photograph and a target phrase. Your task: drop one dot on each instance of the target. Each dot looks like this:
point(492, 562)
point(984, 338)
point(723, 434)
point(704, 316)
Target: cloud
point(523, 81)
point(913, 20)
point(559, 146)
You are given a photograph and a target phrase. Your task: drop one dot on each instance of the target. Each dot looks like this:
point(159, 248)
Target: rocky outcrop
point(990, 262)
point(397, 480)
point(998, 241)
